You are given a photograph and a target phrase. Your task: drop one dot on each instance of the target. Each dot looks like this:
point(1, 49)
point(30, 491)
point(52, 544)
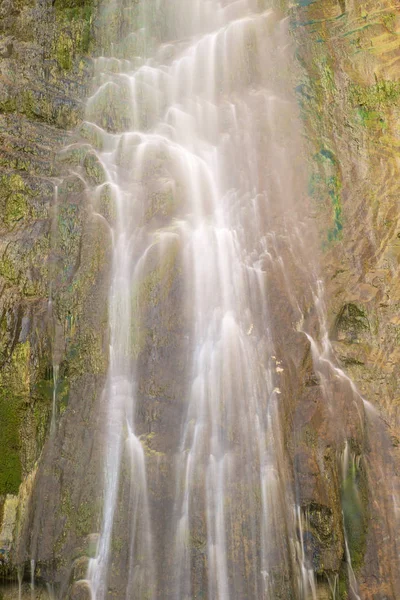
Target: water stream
point(190, 176)
point(215, 307)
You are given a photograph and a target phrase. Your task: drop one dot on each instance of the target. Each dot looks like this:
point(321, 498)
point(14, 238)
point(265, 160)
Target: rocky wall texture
point(348, 93)
point(53, 263)
point(350, 101)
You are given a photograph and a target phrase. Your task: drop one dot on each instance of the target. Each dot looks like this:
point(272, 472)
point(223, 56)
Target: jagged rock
point(79, 569)
point(80, 591)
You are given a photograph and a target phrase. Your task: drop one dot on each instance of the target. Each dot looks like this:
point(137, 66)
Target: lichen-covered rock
point(348, 93)
point(53, 298)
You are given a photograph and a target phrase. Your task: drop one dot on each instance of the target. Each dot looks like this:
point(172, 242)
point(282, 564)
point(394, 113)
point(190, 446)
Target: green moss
point(371, 119)
point(36, 259)
point(34, 106)
point(106, 203)
point(310, 436)
point(389, 21)
point(75, 20)
point(84, 518)
point(156, 286)
point(326, 154)
point(9, 105)
point(314, 184)
point(326, 181)
point(10, 467)
point(64, 50)
point(304, 3)
point(63, 389)
point(110, 108)
point(14, 196)
point(74, 155)
point(147, 441)
point(86, 255)
point(14, 394)
point(87, 355)
point(66, 511)
point(161, 203)
point(383, 93)
point(148, 294)
point(94, 169)
point(43, 393)
point(92, 134)
point(321, 520)
point(334, 191)
point(327, 77)
point(27, 267)
point(7, 270)
point(139, 336)
point(69, 232)
point(343, 584)
point(117, 544)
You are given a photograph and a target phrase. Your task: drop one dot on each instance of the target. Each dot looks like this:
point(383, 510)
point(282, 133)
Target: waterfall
point(234, 452)
point(193, 157)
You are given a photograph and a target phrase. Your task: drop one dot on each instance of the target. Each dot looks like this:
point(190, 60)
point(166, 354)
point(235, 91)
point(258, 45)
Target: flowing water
point(198, 155)
point(191, 177)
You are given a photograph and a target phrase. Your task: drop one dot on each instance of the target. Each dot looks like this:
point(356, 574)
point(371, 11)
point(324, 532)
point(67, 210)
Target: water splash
point(307, 580)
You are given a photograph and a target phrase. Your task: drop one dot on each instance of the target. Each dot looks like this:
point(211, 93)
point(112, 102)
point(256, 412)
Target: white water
point(204, 117)
point(32, 579)
point(197, 136)
point(348, 472)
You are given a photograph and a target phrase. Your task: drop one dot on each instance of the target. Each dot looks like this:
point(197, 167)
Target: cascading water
point(221, 374)
point(201, 112)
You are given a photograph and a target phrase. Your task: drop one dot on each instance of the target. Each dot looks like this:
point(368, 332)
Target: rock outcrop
point(348, 93)
point(53, 263)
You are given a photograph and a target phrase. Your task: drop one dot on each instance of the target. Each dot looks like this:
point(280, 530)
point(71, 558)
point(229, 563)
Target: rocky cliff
point(52, 261)
point(349, 97)
point(348, 93)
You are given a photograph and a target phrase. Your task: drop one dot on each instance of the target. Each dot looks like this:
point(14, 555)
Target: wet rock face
point(349, 99)
point(348, 94)
point(53, 265)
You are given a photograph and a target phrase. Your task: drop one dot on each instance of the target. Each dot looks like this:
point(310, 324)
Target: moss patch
point(75, 22)
point(14, 394)
point(371, 97)
point(14, 196)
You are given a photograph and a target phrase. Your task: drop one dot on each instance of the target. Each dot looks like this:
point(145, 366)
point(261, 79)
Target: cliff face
point(349, 99)
point(348, 94)
point(53, 290)
point(54, 270)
